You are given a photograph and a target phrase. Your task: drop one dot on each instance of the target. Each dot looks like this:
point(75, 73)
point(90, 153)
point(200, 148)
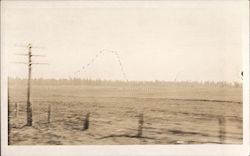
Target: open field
point(173, 114)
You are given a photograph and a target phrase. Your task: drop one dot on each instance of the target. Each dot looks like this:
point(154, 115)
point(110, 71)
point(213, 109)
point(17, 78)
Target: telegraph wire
point(102, 52)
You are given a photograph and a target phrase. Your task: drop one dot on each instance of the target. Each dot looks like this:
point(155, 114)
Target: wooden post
point(140, 125)
point(9, 128)
point(222, 132)
point(30, 63)
point(16, 110)
point(49, 114)
point(86, 122)
point(29, 106)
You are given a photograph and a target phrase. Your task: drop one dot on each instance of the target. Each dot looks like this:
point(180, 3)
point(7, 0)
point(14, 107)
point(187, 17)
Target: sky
point(182, 41)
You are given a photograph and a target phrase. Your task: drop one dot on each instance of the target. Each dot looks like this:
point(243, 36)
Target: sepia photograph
point(135, 73)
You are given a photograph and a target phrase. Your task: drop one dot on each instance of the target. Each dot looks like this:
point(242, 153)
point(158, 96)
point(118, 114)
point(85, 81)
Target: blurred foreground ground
point(173, 114)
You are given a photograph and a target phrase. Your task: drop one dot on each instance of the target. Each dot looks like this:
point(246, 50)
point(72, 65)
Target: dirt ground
point(171, 115)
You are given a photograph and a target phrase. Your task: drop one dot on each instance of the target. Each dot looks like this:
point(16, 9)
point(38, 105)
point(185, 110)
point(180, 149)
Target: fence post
point(49, 114)
point(222, 131)
point(16, 109)
point(86, 122)
point(140, 125)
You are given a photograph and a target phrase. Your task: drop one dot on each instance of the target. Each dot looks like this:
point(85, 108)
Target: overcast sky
point(175, 41)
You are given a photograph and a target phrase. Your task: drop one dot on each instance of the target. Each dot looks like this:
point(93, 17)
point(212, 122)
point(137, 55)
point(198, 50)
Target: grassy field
point(173, 114)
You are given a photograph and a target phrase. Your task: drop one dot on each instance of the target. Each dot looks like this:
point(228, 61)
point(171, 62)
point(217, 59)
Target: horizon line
point(113, 80)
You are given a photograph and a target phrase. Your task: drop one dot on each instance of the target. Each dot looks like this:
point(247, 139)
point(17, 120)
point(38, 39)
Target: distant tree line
point(99, 82)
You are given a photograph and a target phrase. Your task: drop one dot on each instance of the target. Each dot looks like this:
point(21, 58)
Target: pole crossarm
point(30, 55)
point(31, 63)
point(29, 45)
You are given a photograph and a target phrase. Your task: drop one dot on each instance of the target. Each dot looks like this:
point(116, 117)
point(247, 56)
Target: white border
point(177, 150)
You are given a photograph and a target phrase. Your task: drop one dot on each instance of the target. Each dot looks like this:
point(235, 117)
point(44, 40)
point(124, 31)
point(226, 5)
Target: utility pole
point(30, 63)
point(29, 106)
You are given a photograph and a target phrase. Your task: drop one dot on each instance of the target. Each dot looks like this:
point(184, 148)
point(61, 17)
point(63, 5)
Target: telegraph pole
point(29, 105)
point(30, 63)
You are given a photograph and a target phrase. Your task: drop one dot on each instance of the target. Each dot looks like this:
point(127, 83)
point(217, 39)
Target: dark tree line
point(100, 82)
